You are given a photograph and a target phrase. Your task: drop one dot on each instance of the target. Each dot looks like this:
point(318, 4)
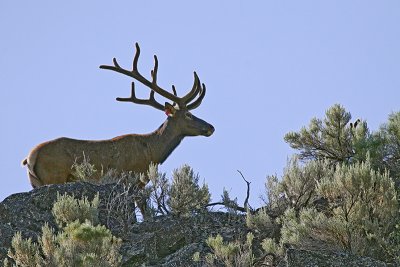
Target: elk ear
point(169, 109)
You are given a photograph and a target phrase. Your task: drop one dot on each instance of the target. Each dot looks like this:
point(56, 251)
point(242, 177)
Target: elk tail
point(35, 181)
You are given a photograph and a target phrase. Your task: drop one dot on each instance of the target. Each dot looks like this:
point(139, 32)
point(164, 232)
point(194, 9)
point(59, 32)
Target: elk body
point(51, 162)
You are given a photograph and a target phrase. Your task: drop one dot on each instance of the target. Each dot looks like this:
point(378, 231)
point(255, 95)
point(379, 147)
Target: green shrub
point(271, 247)
point(80, 243)
point(260, 222)
point(310, 229)
point(185, 194)
point(328, 139)
point(389, 146)
point(84, 170)
point(83, 244)
point(26, 253)
point(363, 211)
point(68, 209)
point(393, 246)
point(297, 188)
point(337, 140)
point(366, 201)
point(342, 195)
point(231, 254)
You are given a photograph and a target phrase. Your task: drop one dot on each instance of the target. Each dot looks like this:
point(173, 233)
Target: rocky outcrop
point(27, 212)
point(163, 241)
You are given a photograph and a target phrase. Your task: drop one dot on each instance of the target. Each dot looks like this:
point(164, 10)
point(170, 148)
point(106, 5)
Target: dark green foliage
point(331, 138)
point(389, 149)
point(336, 139)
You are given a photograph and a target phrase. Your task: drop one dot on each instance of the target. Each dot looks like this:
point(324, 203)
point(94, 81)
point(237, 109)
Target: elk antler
point(151, 101)
point(183, 102)
point(197, 103)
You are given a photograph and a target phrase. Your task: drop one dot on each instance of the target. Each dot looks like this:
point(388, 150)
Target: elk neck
point(164, 140)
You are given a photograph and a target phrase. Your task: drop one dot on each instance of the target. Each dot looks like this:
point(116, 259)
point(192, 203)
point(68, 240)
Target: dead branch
point(246, 201)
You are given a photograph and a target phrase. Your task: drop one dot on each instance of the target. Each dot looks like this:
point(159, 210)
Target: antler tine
point(151, 101)
point(136, 58)
point(115, 63)
point(134, 73)
point(155, 70)
point(197, 103)
point(195, 90)
point(174, 90)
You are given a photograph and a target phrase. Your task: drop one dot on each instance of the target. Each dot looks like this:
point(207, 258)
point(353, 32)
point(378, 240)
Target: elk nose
point(210, 130)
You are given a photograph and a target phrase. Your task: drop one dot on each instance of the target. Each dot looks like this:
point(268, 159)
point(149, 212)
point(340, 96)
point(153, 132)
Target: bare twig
point(232, 204)
point(246, 201)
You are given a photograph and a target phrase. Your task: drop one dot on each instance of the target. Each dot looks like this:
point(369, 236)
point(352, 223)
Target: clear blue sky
point(269, 67)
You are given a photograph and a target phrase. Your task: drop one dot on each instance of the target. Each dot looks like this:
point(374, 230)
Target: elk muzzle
point(210, 130)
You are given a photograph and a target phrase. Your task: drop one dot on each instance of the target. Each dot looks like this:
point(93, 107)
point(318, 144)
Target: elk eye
point(189, 116)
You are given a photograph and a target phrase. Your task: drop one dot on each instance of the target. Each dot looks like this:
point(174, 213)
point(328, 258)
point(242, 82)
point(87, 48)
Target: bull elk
point(50, 162)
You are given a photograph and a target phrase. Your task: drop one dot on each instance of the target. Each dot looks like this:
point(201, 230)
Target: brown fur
point(51, 162)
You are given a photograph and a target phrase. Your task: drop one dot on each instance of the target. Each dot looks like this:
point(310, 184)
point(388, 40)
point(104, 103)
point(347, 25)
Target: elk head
point(179, 115)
